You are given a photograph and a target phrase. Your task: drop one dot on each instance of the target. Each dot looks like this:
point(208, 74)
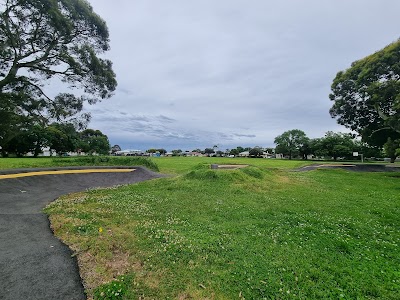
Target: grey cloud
point(231, 72)
point(165, 119)
point(245, 135)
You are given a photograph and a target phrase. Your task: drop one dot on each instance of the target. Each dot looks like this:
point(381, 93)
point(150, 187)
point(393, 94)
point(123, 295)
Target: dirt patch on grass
point(228, 167)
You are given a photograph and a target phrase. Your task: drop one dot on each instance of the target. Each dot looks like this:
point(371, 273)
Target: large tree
point(367, 96)
point(31, 140)
point(337, 144)
point(291, 142)
point(115, 149)
point(62, 138)
point(256, 152)
point(93, 141)
point(44, 41)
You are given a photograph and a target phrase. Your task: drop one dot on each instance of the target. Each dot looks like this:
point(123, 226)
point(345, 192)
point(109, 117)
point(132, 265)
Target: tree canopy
point(291, 142)
point(334, 144)
point(256, 152)
point(93, 141)
point(115, 149)
point(43, 41)
point(367, 96)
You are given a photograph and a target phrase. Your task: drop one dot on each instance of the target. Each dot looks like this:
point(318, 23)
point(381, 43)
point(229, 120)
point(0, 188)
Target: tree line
point(59, 138)
point(295, 143)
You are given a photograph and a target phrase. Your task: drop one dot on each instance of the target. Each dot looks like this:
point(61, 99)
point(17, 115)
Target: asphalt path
point(354, 167)
point(33, 263)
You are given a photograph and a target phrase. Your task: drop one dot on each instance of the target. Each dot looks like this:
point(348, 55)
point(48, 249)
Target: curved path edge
point(34, 264)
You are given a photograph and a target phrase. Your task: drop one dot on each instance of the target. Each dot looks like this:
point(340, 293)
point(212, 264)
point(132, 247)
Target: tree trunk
point(4, 153)
point(37, 151)
point(392, 159)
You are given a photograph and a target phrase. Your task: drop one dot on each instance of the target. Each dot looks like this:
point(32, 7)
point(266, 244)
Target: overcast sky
point(192, 74)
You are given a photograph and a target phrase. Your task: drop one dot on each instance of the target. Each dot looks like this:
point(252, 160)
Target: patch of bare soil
point(231, 167)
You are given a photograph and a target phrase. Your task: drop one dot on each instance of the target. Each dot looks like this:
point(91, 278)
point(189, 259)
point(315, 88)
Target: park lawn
point(46, 162)
point(25, 162)
point(168, 165)
point(182, 165)
point(260, 232)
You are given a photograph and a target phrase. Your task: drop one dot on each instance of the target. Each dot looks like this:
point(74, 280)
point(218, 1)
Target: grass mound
point(203, 172)
point(106, 161)
point(253, 172)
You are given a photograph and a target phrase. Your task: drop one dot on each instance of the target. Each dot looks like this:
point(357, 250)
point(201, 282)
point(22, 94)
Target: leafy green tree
point(290, 142)
point(367, 96)
point(240, 149)
point(392, 149)
point(26, 139)
point(256, 152)
point(220, 153)
point(270, 150)
point(335, 145)
point(62, 138)
point(305, 149)
point(236, 151)
point(50, 39)
point(115, 148)
point(176, 152)
point(162, 151)
point(93, 141)
point(209, 151)
point(317, 148)
point(21, 143)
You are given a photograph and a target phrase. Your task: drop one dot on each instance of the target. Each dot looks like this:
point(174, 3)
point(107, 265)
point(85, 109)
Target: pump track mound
point(33, 263)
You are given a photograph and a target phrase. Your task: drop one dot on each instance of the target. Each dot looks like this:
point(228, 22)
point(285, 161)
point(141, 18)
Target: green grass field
point(43, 162)
point(262, 232)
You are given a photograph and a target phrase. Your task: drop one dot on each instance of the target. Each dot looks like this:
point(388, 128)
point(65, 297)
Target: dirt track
point(33, 263)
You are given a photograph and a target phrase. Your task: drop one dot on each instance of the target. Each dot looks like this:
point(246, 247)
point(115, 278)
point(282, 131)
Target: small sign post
point(356, 154)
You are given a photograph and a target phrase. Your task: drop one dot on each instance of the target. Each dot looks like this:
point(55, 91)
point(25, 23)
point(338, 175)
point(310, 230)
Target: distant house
point(268, 155)
point(264, 155)
point(191, 154)
point(244, 154)
point(198, 154)
point(129, 153)
point(46, 152)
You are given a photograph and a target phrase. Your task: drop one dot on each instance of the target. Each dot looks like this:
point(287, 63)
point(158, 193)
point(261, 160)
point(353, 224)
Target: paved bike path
point(33, 263)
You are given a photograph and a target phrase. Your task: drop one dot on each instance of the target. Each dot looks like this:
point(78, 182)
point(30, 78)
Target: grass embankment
point(182, 165)
point(43, 162)
point(253, 233)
